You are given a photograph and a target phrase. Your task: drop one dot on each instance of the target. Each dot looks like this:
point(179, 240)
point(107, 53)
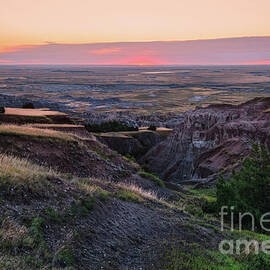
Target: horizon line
point(91, 65)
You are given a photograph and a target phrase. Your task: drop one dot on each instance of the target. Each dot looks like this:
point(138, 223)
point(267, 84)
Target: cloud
point(106, 51)
point(226, 51)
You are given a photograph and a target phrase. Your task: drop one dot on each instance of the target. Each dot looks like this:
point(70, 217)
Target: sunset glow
point(238, 51)
point(31, 28)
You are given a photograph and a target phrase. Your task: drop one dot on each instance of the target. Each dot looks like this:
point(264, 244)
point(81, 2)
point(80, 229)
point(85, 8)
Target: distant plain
point(138, 89)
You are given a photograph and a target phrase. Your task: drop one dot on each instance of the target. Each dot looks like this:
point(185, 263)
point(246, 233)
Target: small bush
point(36, 231)
point(130, 158)
point(104, 195)
point(152, 177)
point(83, 206)
point(2, 109)
point(127, 195)
point(152, 127)
point(28, 105)
point(52, 214)
point(65, 257)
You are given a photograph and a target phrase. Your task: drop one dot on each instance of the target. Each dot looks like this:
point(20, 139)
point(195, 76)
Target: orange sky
point(84, 21)
point(30, 30)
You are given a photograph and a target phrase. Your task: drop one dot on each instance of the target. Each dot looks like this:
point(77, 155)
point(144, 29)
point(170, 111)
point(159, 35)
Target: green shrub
point(65, 257)
point(247, 190)
point(83, 206)
point(152, 127)
point(104, 195)
point(130, 158)
point(152, 177)
point(2, 109)
point(37, 233)
point(110, 126)
point(52, 214)
point(28, 105)
point(127, 195)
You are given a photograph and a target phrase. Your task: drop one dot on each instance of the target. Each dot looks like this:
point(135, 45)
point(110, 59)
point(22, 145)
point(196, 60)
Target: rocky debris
point(210, 139)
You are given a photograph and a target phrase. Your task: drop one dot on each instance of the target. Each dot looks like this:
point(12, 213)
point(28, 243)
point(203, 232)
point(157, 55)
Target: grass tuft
point(20, 174)
point(27, 130)
point(127, 195)
point(152, 177)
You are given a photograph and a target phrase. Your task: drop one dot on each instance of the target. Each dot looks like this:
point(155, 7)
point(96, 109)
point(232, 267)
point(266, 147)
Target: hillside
point(70, 202)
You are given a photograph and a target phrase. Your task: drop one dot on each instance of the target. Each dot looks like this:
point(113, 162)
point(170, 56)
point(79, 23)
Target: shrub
point(28, 105)
point(2, 109)
point(104, 195)
point(247, 190)
point(152, 127)
point(152, 177)
point(127, 195)
point(110, 126)
point(82, 207)
point(65, 257)
point(52, 214)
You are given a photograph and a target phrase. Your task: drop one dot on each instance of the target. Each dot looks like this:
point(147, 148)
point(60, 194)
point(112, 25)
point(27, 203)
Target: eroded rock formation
point(210, 139)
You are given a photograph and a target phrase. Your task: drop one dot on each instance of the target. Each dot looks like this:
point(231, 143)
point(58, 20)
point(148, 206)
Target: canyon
point(210, 139)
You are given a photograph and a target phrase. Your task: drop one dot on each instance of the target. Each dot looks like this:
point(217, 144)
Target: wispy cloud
point(105, 51)
point(249, 50)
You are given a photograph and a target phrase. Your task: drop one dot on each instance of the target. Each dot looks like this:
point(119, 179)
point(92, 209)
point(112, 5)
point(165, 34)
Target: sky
point(134, 32)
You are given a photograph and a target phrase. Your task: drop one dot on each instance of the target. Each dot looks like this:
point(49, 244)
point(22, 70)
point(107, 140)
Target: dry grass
point(20, 172)
point(150, 195)
point(91, 186)
point(12, 232)
point(87, 187)
point(9, 262)
point(56, 126)
point(32, 112)
point(36, 132)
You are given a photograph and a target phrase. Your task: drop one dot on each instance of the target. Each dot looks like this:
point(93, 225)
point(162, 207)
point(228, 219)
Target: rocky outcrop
point(210, 139)
point(131, 143)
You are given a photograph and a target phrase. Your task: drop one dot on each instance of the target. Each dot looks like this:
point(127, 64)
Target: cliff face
point(131, 143)
point(210, 139)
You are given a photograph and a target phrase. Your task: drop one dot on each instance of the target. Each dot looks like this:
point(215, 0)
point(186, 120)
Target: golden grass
point(56, 125)
point(12, 232)
point(36, 132)
point(91, 186)
point(87, 187)
point(32, 112)
point(150, 195)
point(15, 172)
